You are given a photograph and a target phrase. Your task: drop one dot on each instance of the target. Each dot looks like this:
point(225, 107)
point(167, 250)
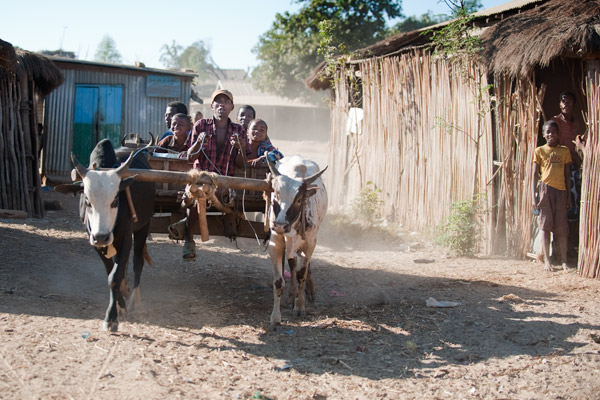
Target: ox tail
point(146, 256)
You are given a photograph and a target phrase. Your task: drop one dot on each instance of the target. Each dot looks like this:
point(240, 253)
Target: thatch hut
point(25, 79)
point(436, 130)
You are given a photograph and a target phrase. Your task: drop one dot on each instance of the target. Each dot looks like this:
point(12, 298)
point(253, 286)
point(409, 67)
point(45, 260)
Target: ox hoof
point(110, 326)
point(276, 327)
point(299, 313)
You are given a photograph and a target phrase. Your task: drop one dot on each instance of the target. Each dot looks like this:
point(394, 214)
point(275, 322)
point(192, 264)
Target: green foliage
point(259, 396)
point(287, 52)
point(196, 57)
point(461, 230)
point(456, 38)
point(367, 206)
point(107, 51)
point(413, 23)
point(335, 57)
point(463, 7)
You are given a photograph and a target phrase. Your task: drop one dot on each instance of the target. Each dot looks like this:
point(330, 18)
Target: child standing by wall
point(553, 161)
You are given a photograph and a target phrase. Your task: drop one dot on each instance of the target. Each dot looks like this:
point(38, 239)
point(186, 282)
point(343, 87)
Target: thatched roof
point(41, 69)
point(8, 59)
point(410, 40)
point(556, 28)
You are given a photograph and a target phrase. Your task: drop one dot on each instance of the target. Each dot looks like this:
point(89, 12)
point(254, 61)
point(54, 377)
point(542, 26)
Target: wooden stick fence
point(423, 143)
point(517, 124)
point(589, 224)
point(19, 177)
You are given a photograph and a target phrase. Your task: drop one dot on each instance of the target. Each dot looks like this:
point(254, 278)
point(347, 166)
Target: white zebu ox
point(296, 207)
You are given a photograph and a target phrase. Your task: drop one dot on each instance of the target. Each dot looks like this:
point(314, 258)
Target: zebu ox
point(295, 211)
point(105, 211)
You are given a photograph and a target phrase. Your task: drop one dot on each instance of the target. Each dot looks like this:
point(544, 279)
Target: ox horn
point(125, 166)
point(123, 140)
point(314, 177)
point(272, 167)
point(81, 170)
point(152, 139)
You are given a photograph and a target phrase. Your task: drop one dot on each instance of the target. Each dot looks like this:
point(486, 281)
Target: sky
point(230, 28)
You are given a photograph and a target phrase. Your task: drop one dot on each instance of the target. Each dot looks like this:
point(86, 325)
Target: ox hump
point(297, 167)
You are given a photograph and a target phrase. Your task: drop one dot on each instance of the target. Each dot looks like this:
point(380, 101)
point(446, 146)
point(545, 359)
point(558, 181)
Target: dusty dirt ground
point(518, 333)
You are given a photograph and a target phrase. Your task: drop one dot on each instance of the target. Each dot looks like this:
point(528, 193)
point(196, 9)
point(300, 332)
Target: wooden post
point(201, 207)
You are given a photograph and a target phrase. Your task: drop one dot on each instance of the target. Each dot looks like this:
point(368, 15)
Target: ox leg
point(299, 304)
point(115, 278)
point(293, 290)
point(310, 286)
point(139, 241)
point(276, 252)
point(109, 264)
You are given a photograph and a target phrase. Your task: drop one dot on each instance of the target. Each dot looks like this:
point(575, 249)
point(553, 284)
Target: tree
point(288, 50)
point(413, 23)
point(195, 57)
point(107, 51)
point(456, 7)
point(170, 55)
point(459, 8)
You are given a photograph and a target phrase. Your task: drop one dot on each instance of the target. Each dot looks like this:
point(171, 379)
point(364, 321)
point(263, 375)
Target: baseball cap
point(221, 91)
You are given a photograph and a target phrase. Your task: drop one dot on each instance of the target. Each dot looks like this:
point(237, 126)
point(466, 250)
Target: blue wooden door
point(97, 116)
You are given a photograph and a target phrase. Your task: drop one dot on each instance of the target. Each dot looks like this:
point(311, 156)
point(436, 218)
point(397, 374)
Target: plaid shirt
point(209, 158)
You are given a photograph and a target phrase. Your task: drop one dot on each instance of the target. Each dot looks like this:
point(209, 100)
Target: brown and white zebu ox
point(106, 214)
point(297, 207)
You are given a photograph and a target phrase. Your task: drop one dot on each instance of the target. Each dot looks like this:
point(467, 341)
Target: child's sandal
point(177, 230)
point(189, 250)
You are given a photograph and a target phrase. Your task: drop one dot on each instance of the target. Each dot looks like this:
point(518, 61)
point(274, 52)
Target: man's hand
point(580, 143)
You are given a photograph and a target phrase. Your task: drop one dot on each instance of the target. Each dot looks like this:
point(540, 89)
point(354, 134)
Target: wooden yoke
point(200, 197)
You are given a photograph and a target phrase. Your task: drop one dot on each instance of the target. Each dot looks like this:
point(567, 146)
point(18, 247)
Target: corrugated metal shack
point(424, 135)
point(100, 100)
point(25, 78)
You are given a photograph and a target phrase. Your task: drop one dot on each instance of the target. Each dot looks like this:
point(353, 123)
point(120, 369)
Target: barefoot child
point(554, 162)
point(259, 145)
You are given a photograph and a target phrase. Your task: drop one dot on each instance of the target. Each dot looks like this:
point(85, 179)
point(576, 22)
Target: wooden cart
point(247, 205)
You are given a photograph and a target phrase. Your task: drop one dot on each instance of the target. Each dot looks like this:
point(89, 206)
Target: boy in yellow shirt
point(553, 161)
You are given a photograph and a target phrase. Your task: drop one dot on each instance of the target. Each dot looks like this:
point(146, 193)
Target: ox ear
point(311, 191)
point(70, 188)
point(126, 182)
point(314, 177)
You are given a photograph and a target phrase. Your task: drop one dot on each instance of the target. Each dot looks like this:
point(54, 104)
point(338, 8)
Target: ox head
point(289, 197)
point(100, 198)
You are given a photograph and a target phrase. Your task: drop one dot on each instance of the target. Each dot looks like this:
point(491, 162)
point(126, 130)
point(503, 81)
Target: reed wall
point(589, 223)
point(518, 115)
point(426, 139)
